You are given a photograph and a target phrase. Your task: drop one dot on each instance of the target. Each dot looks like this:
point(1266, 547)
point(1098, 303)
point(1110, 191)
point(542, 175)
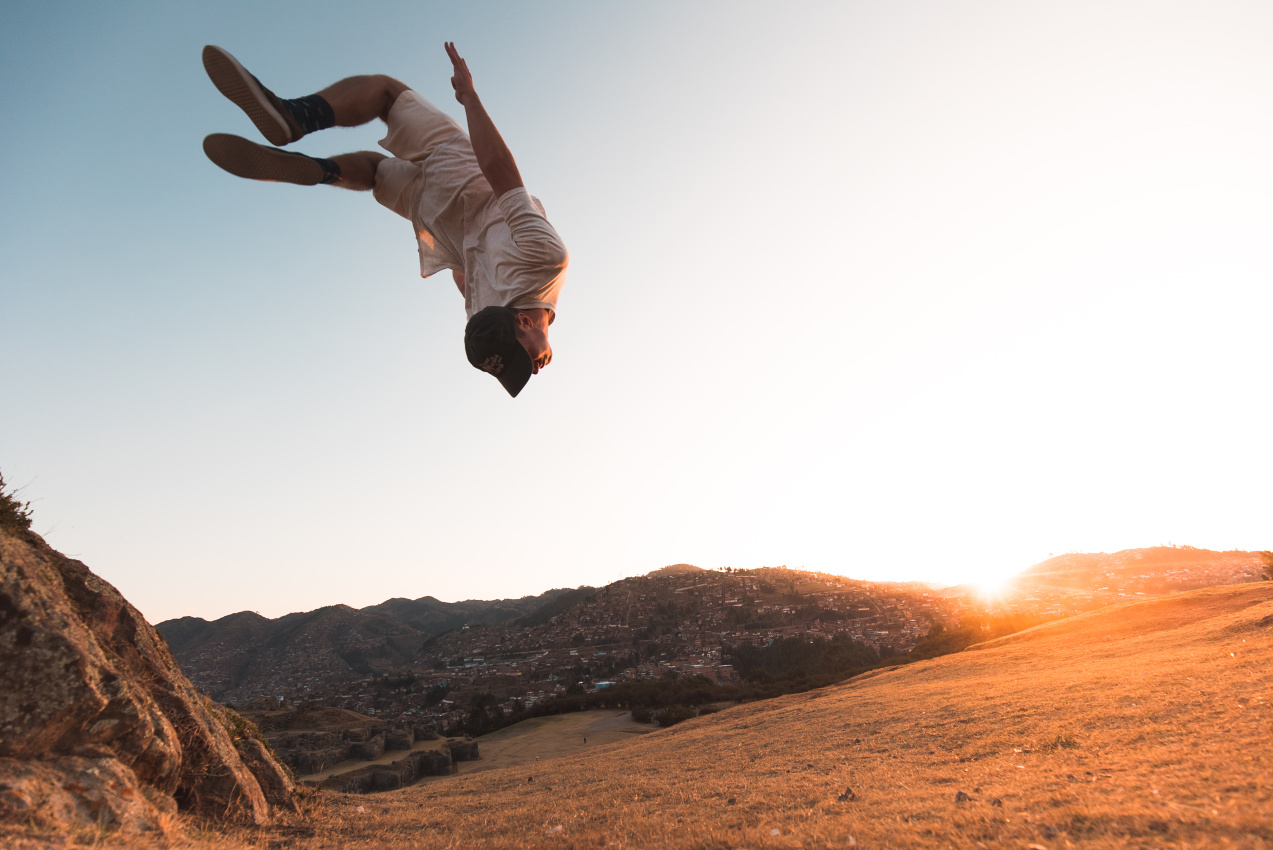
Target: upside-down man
point(462, 192)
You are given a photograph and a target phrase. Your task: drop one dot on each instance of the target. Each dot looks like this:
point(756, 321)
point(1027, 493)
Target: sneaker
point(257, 162)
point(267, 111)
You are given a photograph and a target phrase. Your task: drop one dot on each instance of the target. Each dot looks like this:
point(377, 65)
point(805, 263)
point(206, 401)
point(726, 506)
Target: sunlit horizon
point(991, 584)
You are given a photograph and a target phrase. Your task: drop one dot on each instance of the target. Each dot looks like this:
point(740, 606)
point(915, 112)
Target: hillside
point(676, 621)
point(1145, 724)
point(243, 656)
point(1154, 571)
point(238, 654)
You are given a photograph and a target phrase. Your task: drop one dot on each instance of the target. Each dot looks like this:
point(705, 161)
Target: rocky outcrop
point(386, 777)
point(400, 739)
point(368, 750)
point(463, 750)
point(98, 726)
point(308, 752)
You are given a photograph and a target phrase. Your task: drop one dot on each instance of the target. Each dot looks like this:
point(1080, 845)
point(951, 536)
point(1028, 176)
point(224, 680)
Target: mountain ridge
point(324, 652)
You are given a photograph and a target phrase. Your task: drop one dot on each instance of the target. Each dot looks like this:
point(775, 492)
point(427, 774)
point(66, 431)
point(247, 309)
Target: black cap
point(490, 341)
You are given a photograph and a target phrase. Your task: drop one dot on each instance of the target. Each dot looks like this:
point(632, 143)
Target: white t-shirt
point(508, 252)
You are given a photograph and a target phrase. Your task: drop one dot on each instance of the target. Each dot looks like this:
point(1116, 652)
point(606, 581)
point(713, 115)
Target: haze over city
point(893, 291)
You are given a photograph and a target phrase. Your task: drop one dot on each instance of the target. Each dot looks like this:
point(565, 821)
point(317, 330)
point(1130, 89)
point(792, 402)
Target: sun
point(991, 586)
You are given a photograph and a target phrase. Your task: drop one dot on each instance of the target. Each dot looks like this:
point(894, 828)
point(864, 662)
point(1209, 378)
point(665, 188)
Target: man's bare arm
point(493, 156)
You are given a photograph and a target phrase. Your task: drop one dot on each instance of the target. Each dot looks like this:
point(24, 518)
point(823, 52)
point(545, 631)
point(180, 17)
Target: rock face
point(463, 750)
point(98, 726)
point(309, 752)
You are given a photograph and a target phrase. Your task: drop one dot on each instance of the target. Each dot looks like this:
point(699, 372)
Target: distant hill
point(674, 614)
point(238, 656)
point(1154, 571)
point(676, 569)
point(430, 616)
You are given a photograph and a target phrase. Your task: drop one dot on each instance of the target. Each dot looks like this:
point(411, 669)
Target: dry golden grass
point(1142, 725)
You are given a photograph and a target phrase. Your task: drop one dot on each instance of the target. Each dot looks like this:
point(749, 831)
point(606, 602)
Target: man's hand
point(493, 156)
point(462, 81)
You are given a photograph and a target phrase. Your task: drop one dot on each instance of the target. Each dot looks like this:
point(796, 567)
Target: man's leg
point(243, 158)
point(358, 170)
point(360, 100)
point(348, 103)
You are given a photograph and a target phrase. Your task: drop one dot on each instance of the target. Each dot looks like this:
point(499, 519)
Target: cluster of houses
point(685, 622)
point(680, 623)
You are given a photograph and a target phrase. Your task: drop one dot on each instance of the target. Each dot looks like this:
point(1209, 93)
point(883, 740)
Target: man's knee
point(391, 88)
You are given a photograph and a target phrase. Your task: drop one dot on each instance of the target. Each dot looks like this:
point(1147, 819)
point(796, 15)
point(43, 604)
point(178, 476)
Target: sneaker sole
point(245, 92)
point(257, 162)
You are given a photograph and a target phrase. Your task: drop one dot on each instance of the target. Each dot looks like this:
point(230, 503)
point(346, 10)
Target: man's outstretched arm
point(493, 156)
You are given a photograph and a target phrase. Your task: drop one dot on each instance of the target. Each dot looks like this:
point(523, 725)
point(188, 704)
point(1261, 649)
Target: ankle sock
point(311, 112)
point(331, 171)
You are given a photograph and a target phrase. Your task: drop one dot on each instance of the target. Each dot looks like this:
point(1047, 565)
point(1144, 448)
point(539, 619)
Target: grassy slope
point(1142, 725)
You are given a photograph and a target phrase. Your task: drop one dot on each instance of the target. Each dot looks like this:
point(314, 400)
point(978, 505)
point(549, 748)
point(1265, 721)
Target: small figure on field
point(461, 191)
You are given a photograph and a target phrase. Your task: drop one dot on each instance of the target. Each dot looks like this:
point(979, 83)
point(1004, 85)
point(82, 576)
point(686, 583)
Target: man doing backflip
point(462, 192)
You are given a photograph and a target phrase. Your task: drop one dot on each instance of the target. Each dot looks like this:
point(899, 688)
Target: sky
point(899, 291)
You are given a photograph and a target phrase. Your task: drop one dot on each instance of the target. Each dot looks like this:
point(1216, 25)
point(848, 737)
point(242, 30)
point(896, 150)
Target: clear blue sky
point(893, 290)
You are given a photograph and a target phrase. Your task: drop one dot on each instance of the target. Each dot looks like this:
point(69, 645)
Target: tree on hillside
point(943, 641)
point(797, 658)
point(485, 715)
point(1266, 556)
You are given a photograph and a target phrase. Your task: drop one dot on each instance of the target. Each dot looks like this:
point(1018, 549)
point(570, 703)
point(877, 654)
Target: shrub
point(641, 714)
point(15, 516)
point(674, 715)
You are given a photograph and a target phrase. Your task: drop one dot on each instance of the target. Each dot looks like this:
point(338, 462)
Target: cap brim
point(516, 374)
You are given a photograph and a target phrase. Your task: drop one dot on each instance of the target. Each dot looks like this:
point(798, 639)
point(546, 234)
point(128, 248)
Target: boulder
point(433, 762)
point(385, 780)
point(399, 739)
point(403, 772)
point(275, 782)
point(368, 750)
point(312, 761)
point(462, 750)
point(95, 711)
point(80, 791)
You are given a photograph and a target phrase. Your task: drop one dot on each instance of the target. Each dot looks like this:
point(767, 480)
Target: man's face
point(532, 333)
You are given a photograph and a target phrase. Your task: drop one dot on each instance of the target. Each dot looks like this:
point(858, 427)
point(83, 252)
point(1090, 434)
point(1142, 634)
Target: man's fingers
point(462, 81)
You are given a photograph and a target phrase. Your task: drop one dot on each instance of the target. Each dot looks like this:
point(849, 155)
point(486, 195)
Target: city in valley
point(420, 666)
